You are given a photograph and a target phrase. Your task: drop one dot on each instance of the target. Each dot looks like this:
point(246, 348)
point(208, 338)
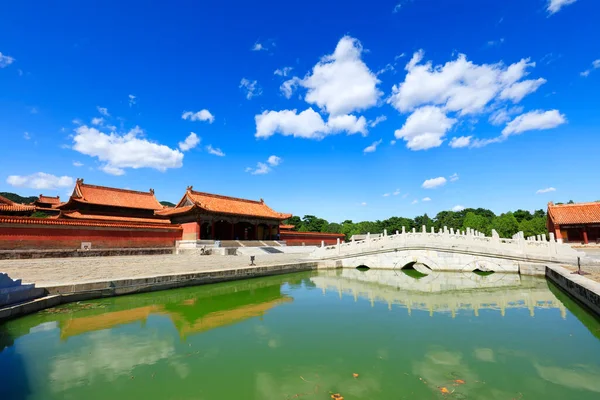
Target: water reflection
point(442, 292)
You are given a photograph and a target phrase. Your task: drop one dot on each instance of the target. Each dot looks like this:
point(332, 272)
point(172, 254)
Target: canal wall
point(582, 289)
point(55, 295)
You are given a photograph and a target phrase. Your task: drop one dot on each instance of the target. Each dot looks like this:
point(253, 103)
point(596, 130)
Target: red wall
point(191, 231)
point(42, 237)
point(293, 238)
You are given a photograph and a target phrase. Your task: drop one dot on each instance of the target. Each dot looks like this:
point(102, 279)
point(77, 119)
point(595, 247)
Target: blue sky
point(318, 108)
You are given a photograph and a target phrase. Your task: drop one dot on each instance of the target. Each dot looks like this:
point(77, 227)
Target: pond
point(374, 334)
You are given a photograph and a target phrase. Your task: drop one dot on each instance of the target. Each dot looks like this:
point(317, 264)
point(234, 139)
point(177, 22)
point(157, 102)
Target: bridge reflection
point(442, 292)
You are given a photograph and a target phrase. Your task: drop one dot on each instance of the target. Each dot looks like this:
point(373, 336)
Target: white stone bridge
point(447, 250)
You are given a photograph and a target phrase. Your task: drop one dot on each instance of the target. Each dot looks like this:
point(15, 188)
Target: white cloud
point(397, 8)
point(459, 85)
point(112, 170)
point(274, 160)
point(26, 136)
point(392, 142)
point(425, 128)
point(103, 111)
point(77, 121)
point(5, 60)
point(190, 142)
point(215, 151)
point(454, 177)
point(554, 6)
point(363, 203)
point(40, 180)
point(386, 195)
point(308, 124)
point(493, 43)
point(415, 201)
point(517, 91)
point(434, 183)
point(264, 168)
point(534, 120)
point(202, 115)
point(396, 192)
point(458, 208)
point(77, 164)
point(126, 150)
point(132, 100)
point(97, 121)
point(341, 83)
point(595, 65)
point(251, 88)
point(458, 142)
point(261, 169)
point(503, 115)
point(546, 190)
point(377, 121)
point(285, 71)
point(288, 87)
point(426, 199)
point(258, 47)
point(373, 147)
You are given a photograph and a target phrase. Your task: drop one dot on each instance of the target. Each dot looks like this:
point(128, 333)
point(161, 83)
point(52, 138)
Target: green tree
point(506, 225)
point(423, 220)
point(332, 227)
point(521, 215)
point(296, 221)
point(539, 213)
point(39, 214)
point(534, 226)
point(451, 219)
point(477, 222)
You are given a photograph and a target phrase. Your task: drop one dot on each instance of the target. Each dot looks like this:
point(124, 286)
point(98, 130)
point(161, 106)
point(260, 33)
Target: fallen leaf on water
point(459, 382)
point(337, 396)
point(444, 390)
point(355, 375)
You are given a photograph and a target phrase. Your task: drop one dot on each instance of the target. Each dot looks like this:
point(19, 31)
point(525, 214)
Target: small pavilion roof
point(54, 201)
point(578, 213)
point(223, 205)
point(7, 205)
point(289, 227)
point(107, 196)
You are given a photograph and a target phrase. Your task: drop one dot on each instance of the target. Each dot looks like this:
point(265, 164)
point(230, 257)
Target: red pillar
point(212, 230)
point(585, 237)
point(200, 228)
point(558, 234)
point(232, 231)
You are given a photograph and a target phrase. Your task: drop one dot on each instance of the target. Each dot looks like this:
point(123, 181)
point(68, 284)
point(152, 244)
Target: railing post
point(403, 229)
point(552, 244)
point(322, 243)
point(385, 232)
point(338, 245)
point(424, 228)
point(368, 239)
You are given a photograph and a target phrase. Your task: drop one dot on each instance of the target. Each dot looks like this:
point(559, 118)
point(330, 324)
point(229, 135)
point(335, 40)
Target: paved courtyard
point(61, 271)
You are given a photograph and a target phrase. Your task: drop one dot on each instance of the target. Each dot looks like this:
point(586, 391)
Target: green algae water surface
point(356, 334)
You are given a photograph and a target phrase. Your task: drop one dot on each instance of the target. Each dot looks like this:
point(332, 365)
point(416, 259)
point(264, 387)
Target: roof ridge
point(220, 196)
point(118, 189)
point(7, 201)
point(587, 203)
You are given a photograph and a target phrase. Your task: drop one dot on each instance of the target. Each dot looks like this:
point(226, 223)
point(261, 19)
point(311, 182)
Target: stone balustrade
point(470, 241)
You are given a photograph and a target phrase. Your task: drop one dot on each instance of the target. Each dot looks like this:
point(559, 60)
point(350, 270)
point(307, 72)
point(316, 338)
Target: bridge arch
point(482, 266)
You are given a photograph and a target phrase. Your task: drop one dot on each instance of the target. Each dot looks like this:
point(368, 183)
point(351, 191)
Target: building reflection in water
point(441, 291)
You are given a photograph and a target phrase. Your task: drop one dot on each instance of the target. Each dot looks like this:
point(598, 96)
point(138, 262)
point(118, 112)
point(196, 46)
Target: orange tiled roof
point(66, 222)
point(578, 213)
point(231, 205)
point(287, 226)
point(7, 205)
point(107, 196)
point(175, 210)
point(49, 200)
point(79, 215)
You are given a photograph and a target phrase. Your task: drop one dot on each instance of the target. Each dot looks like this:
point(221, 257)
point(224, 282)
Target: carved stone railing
point(470, 240)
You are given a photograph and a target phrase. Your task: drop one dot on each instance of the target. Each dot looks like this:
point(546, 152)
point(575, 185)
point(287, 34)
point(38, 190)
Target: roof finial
point(262, 201)
point(151, 191)
point(79, 181)
point(189, 188)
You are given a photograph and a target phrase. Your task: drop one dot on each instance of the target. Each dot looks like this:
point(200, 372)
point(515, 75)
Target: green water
point(303, 336)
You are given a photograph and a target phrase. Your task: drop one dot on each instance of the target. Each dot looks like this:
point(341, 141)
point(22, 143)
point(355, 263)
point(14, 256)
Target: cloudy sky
point(360, 111)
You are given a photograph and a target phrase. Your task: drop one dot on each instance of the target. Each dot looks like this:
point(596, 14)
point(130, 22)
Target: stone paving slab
point(63, 271)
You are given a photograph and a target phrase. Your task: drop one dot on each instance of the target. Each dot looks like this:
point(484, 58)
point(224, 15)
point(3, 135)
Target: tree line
point(481, 219)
